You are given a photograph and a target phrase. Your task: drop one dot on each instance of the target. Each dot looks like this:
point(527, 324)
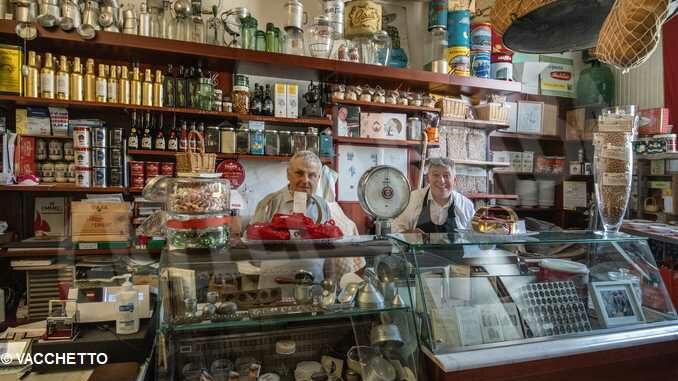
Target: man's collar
point(449, 200)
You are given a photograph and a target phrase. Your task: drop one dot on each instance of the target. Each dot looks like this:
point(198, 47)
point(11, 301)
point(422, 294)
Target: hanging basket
point(195, 159)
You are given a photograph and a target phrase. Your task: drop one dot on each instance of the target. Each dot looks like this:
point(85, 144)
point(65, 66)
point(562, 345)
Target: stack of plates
point(547, 193)
point(528, 192)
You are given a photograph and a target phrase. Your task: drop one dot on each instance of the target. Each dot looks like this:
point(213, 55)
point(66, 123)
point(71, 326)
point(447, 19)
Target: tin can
point(137, 167)
point(167, 169)
point(480, 64)
point(137, 181)
point(99, 177)
point(60, 172)
point(83, 177)
point(152, 168)
point(115, 137)
point(458, 28)
point(362, 18)
point(437, 14)
point(55, 150)
point(68, 150)
point(41, 149)
point(47, 172)
point(70, 173)
point(413, 128)
point(81, 137)
point(498, 44)
point(99, 137)
point(115, 157)
point(481, 36)
point(334, 9)
point(115, 177)
point(502, 71)
point(83, 157)
point(459, 61)
point(99, 157)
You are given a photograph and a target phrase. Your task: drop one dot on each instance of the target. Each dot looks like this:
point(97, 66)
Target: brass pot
point(495, 220)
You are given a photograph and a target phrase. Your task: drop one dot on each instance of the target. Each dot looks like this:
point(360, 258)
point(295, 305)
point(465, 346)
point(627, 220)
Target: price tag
point(299, 202)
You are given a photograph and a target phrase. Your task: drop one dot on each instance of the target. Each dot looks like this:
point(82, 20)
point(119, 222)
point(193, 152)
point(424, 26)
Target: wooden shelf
point(150, 152)
point(474, 123)
point(658, 156)
point(46, 137)
point(384, 106)
point(512, 135)
point(172, 155)
point(378, 142)
point(490, 196)
point(67, 252)
point(59, 188)
point(125, 47)
point(481, 163)
point(536, 209)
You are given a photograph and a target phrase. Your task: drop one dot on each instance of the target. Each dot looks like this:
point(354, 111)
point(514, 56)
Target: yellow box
point(11, 59)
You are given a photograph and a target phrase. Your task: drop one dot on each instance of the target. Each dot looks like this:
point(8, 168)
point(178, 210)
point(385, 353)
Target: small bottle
point(102, 84)
point(193, 141)
point(173, 140)
point(158, 89)
point(77, 81)
point(181, 88)
point(90, 81)
point(268, 102)
point(183, 137)
point(146, 138)
point(47, 77)
point(147, 89)
point(135, 87)
point(133, 139)
point(257, 101)
point(159, 141)
point(32, 84)
point(169, 88)
point(112, 88)
point(124, 86)
point(63, 81)
point(127, 319)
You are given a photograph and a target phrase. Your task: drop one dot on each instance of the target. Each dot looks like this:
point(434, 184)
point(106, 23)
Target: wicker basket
point(504, 12)
point(198, 160)
point(494, 112)
point(452, 108)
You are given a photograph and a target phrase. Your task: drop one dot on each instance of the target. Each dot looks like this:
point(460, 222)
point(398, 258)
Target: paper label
point(614, 152)
point(615, 179)
point(299, 202)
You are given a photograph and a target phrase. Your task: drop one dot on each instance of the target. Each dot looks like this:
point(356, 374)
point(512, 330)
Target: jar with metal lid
point(241, 94)
point(298, 141)
point(414, 128)
point(326, 145)
point(242, 140)
point(257, 142)
point(312, 141)
point(212, 139)
point(227, 139)
point(205, 93)
point(285, 143)
point(217, 99)
point(272, 143)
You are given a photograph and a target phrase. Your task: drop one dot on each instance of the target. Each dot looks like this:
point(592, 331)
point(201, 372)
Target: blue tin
point(257, 142)
point(437, 14)
point(480, 64)
point(459, 28)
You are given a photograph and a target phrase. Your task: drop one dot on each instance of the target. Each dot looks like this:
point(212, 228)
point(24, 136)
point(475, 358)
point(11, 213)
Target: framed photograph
point(616, 303)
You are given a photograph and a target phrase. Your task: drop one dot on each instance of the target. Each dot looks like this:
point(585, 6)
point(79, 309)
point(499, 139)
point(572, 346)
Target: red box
point(138, 181)
point(659, 121)
point(167, 169)
point(152, 168)
point(25, 157)
point(137, 168)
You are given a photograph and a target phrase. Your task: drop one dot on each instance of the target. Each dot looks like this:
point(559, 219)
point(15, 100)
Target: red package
point(152, 168)
point(167, 169)
point(25, 157)
point(138, 181)
point(266, 232)
point(297, 221)
point(326, 230)
point(137, 167)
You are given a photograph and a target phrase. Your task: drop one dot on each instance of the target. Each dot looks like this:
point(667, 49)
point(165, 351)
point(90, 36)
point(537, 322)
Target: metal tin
point(83, 157)
point(459, 61)
point(480, 64)
point(99, 137)
point(334, 9)
point(41, 149)
point(362, 18)
point(167, 169)
point(83, 177)
point(440, 66)
point(413, 128)
point(137, 167)
point(81, 137)
point(295, 14)
point(116, 137)
point(481, 36)
point(137, 180)
point(115, 158)
point(99, 157)
point(68, 150)
point(501, 70)
point(458, 28)
point(99, 177)
point(152, 168)
point(257, 142)
point(437, 14)
point(115, 177)
point(55, 150)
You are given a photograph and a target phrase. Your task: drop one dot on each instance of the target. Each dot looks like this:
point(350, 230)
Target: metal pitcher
point(50, 13)
point(108, 18)
point(334, 10)
point(129, 22)
point(70, 15)
point(296, 17)
point(90, 20)
point(144, 21)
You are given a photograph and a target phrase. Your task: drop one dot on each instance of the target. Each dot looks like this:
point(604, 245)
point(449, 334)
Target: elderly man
point(303, 175)
point(436, 208)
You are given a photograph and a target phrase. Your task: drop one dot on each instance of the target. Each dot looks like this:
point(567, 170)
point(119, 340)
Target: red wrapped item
point(326, 230)
point(266, 232)
point(296, 221)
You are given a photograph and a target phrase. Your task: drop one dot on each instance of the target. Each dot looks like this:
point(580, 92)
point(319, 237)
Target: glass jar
point(272, 143)
point(190, 195)
point(294, 44)
point(241, 95)
point(260, 41)
point(205, 93)
point(212, 144)
point(326, 145)
point(248, 30)
point(227, 140)
point(285, 143)
point(242, 140)
point(298, 141)
point(271, 39)
point(217, 98)
point(257, 142)
point(312, 142)
point(320, 38)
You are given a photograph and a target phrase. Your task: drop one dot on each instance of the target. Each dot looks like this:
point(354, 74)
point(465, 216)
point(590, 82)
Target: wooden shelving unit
point(384, 106)
point(490, 196)
point(172, 155)
point(378, 142)
point(658, 156)
point(59, 188)
point(482, 163)
point(474, 123)
point(512, 135)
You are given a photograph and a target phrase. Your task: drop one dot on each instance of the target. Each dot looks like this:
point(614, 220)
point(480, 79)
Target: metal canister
point(459, 61)
point(334, 10)
point(83, 177)
point(83, 157)
point(501, 66)
point(55, 150)
point(480, 64)
point(99, 177)
point(70, 173)
point(115, 177)
point(167, 169)
point(212, 139)
point(115, 138)
point(295, 14)
point(99, 157)
point(413, 128)
point(458, 28)
point(41, 149)
point(437, 14)
point(99, 137)
point(115, 157)
point(81, 137)
point(68, 150)
point(362, 18)
point(481, 36)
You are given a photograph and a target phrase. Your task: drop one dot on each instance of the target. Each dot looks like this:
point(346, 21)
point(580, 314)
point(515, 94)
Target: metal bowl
point(386, 336)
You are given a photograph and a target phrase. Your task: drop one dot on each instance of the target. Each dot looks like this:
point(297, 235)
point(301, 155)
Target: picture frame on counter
point(616, 303)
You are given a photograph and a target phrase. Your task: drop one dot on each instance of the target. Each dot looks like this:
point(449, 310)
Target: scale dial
point(384, 192)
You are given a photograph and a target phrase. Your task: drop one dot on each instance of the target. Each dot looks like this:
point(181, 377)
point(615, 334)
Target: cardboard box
point(49, 217)
point(557, 78)
point(527, 73)
point(658, 121)
point(377, 125)
point(59, 121)
point(280, 99)
point(528, 162)
point(530, 117)
point(100, 221)
point(550, 120)
point(292, 101)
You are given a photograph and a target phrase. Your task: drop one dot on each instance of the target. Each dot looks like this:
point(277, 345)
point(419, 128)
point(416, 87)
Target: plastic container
point(127, 319)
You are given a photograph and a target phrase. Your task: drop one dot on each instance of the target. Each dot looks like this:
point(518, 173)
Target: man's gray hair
point(308, 157)
point(441, 162)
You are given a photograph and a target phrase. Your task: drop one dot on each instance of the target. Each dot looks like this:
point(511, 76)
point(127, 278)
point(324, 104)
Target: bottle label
point(613, 152)
point(101, 88)
point(160, 143)
point(47, 83)
point(172, 144)
point(615, 179)
point(133, 142)
point(146, 142)
point(183, 144)
point(62, 84)
point(112, 92)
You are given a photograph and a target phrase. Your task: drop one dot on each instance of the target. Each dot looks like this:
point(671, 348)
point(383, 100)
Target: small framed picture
point(616, 303)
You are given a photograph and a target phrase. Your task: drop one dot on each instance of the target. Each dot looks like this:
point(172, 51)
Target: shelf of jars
point(378, 142)
point(31, 101)
point(172, 155)
point(383, 106)
point(474, 123)
point(119, 46)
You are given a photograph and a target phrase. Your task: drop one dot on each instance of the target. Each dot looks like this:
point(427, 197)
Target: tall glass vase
point(613, 164)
